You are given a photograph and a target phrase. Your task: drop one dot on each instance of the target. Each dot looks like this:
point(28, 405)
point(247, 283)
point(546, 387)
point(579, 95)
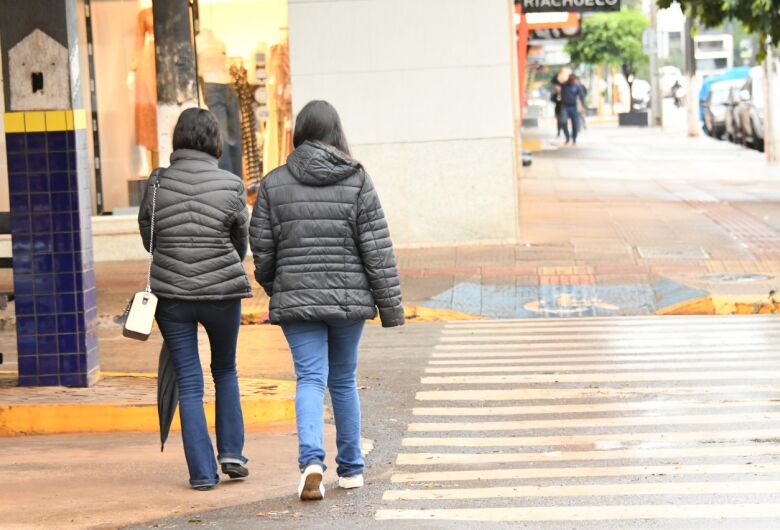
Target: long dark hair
point(318, 121)
point(198, 129)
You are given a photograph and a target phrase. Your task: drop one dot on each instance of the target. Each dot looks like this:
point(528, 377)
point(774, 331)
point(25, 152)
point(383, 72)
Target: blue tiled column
point(54, 276)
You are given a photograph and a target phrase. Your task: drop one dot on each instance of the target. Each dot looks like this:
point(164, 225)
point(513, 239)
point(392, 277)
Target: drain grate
point(675, 252)
point(735, 278)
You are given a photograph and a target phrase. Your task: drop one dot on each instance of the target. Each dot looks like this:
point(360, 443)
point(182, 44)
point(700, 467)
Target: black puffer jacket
point(320, 241)
point(200, 230)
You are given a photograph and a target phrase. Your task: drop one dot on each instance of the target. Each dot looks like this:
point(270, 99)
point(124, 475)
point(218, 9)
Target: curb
point(21, 419)
point(714, 304)
point(413, 314)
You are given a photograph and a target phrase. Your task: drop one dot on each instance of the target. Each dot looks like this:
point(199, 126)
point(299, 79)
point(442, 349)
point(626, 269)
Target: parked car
point(715, 107)
point(751, 109)
point(733, 126)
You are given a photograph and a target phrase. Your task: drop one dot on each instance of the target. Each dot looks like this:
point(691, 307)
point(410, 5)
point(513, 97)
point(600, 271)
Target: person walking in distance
point(323, 253)
point(572, 93)
point(200, 239)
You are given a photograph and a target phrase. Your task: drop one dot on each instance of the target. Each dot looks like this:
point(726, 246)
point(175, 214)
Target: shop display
point(220, 97)
point(143, 74)
point(248, 122)
point(278, 137)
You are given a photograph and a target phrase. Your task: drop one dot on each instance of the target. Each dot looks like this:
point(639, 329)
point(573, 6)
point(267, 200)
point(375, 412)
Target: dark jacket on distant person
point(200, 231)
point(320, 242)
point(571, 93)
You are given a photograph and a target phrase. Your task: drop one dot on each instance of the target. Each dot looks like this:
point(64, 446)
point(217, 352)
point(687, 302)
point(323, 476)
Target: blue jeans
point(178, 321)
point(325, 352)
point(570, 113)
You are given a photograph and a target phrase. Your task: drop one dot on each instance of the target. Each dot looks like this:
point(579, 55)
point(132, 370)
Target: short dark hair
point(318, 121)
point(198, 129)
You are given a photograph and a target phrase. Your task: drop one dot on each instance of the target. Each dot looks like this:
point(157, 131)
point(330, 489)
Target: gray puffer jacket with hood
point(200, 231)
point(320, 241)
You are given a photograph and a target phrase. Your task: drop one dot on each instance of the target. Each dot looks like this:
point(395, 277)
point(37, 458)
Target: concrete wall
point(425, 90)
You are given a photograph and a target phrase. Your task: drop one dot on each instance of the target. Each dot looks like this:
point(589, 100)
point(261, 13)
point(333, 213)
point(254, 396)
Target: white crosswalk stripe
point(635, 420)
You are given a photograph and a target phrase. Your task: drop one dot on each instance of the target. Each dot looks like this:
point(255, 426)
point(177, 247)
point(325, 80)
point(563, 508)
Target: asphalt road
point(646, 422)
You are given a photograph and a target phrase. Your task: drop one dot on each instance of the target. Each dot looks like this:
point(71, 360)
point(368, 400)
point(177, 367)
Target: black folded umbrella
point(167, 394)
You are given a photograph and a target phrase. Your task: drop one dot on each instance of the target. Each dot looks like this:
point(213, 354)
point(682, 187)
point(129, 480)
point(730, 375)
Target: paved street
point(588, 423)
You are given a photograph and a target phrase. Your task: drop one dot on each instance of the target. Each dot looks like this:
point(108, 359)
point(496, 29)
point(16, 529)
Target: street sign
point(649, 41)
point(548, 6)
point(556, 33)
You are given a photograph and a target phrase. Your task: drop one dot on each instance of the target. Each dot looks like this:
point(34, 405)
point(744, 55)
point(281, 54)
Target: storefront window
point(244, 78)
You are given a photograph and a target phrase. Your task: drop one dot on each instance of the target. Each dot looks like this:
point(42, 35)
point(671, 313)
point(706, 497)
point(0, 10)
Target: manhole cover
point(673, 253)
point(735, 278)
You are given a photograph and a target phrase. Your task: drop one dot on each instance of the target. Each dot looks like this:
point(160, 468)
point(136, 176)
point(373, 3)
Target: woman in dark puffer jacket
point(322, 252)
point(200, 240)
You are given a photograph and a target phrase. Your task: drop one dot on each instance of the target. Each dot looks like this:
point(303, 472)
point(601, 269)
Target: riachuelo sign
point(551, 6)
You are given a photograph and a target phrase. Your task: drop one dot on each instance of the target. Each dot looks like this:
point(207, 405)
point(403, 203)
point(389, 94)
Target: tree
point(758, 16)
point(614, 39)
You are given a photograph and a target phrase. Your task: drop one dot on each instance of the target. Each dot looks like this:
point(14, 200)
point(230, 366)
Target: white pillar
point(426, 92)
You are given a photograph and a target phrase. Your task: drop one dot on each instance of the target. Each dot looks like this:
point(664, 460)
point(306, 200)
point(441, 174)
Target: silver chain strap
point(151, 235)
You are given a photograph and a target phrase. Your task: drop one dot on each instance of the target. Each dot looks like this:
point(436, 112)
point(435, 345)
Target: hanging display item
point(278, 137)
point(221, 98)
point(246, 101)
point(144, 72)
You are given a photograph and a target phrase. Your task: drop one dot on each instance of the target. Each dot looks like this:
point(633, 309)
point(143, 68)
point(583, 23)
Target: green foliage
point(761, 17)
point(611, 39)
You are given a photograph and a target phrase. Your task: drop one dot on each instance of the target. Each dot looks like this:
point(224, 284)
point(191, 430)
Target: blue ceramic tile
point(79, 284)
point(68, 343)
point(71, 161)
point(39, 203)
point(63, 262)
point(20, 222)
point(57, 141)
point(74, 380)
point(17, 163)
point(83, 338)
point(17, 183)
point(46, 324)
point(43, 243)
point(62, 202)
point(80, 303)
point(66, 303)
point(90, 340)
point(28, 380)
point(43, 283)
point(47, 344)
point(93, 360)
point(41, 222)
point(22, 243)
point(67, 324)
point(62, 222)
point(27, 346)
point(45, 304)
point(63, 242)
point(15, 143)
point(48, 364)
point(23, 263)
point(39, 182)
point(20, 204)
point(65, 282)
point(48, 380)
point(70, 364)
point(36, 142)
point(37, 163)
point(58, 160)
point(59, 181)
point(43, 264)
point(23, 283)
point(24, 305)
point(90, 298)
point(28, 365)
point(25, 325)
point(77, 242)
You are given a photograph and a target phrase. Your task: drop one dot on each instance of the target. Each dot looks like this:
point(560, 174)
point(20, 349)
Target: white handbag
point(139, 315)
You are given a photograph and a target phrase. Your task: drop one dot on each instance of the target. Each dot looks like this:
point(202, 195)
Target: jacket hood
point(316, 164)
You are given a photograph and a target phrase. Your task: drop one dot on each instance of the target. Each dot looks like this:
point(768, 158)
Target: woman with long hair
point(200, 240)
point(322, 252)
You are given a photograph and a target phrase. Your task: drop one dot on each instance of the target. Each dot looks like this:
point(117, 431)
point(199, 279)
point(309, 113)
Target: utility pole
point(656, 96)
point(772, 106)
point(690, 70)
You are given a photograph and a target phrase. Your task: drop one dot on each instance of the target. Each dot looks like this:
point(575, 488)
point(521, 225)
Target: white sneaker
point(349, 483)
point(310, 487)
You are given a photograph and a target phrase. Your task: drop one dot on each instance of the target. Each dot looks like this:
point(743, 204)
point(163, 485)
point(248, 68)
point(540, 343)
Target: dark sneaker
point(234, 470)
